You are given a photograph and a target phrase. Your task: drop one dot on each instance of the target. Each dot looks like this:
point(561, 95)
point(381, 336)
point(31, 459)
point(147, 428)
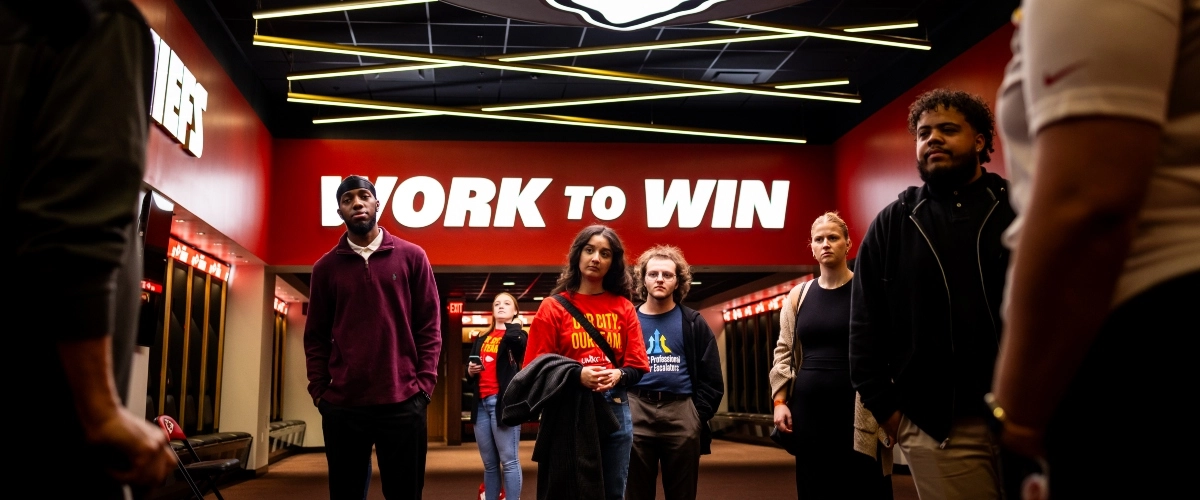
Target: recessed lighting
point(180, 220)
point(695, 282)
point(538, 298)
point(217, 244)
point(201, 233)
point(509, 283)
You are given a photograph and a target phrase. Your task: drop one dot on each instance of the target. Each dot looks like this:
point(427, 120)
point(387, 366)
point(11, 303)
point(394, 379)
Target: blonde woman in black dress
point(822, 409)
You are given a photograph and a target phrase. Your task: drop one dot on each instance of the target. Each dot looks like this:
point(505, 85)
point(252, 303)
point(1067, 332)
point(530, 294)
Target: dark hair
point(972, 107)
point(617, 280)
point(683, 272)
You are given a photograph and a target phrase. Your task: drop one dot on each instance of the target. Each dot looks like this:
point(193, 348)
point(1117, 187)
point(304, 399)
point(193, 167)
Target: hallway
point(733, 471)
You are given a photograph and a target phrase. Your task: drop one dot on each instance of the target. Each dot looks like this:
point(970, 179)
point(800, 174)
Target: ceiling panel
point(443, 29)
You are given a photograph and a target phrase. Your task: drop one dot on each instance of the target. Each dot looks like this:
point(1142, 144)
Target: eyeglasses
point(665, 276)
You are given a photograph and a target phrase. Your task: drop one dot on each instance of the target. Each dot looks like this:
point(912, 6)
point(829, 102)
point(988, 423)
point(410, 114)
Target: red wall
point(227, 187)
point(299, 239)
point(877, 159)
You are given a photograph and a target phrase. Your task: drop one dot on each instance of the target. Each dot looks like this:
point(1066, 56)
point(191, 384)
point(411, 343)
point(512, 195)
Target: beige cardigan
point(866, 429)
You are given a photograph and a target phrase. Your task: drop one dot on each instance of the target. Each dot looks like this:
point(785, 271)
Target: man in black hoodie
point(925, 321)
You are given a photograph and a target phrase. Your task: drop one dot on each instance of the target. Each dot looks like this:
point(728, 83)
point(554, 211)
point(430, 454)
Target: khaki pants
point(965, 466)
point(666, 433)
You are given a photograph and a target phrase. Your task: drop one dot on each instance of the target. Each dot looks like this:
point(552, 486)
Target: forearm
point(1078, 236)
point(88, 367)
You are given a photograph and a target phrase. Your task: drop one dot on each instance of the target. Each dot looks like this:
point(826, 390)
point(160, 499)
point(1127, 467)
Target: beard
point(959, 173)
point(361, 228)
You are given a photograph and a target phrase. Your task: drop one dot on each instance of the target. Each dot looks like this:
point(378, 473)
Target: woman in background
point(830, 424)
point(496, 356)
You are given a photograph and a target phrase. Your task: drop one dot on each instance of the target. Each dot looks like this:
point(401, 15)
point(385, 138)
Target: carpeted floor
point(733, 471)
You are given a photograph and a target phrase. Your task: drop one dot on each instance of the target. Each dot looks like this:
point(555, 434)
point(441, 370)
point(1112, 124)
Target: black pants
point(1121, 430)
point(398, 434)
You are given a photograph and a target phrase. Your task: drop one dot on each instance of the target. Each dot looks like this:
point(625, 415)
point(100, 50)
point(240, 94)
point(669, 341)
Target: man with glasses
point(671, 405)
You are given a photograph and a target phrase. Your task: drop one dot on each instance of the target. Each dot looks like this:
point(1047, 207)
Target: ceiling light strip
point(652, 96)
point(332, 7)
point(894, 25)
point(369, 117)
point(295, 44)
point(365, 70)
point(535, 118)
point(890, 41)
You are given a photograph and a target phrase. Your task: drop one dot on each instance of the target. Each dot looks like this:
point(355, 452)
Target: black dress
point(822, 405)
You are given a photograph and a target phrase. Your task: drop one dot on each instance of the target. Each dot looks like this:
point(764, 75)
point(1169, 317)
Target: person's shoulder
point(402, 245)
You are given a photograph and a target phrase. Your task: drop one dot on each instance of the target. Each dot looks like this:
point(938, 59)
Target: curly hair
point(683, 272)
point(617, 281)
point(972, 107)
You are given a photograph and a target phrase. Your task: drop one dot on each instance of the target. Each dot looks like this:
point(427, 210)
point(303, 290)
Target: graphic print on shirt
point(608, 324)
point(662, 359)
point(491, 346)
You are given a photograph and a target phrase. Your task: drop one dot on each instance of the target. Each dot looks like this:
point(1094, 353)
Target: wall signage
point(477, 202)
point(179, 100)
point(192, 257)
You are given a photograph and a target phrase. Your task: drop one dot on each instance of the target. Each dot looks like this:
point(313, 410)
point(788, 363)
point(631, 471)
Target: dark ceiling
point(878, 74)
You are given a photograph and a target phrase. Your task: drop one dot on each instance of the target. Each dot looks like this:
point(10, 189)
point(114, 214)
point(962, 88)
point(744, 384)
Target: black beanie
point(354, 182)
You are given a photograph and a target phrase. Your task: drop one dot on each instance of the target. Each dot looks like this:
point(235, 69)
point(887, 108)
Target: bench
point(284, 438)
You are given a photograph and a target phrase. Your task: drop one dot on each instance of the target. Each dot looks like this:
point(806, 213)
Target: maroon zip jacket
point(373, 334)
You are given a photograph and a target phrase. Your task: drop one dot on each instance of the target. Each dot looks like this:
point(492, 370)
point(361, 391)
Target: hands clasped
point(599, 379)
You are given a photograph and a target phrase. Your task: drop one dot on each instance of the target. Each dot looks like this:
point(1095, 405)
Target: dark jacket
point(572, 420)
point(509, 355)
point(373, 334)
point(704, 367)
point(901, 343)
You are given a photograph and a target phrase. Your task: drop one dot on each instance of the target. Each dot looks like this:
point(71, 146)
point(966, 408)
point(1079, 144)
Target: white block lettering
point(470, 194)
point(771, 208)
point(723, 205)
point(513, 199)
point(384, 186)
point(174, 90)
point(403, 202)
point(578, 195)
point(690, 207)
point(608, 203)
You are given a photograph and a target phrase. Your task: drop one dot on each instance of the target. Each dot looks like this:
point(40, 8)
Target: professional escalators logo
point(627, 15)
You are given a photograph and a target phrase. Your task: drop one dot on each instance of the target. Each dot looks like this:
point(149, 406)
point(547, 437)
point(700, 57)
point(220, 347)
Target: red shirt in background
point(554, 331)
point(489, 385)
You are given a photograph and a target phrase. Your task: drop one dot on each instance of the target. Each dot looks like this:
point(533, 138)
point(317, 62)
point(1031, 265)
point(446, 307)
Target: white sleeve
point(1098, 57)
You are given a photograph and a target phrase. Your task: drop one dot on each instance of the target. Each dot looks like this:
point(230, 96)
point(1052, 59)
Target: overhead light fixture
point(365, 70)
point(890, 41)
point(331, 7)
point(538, 298)
point(696, 283)
point(894, 25)
point(363, 118)
point(509, 283)
point(537, 118)
point(600, 74)
point(657, 95)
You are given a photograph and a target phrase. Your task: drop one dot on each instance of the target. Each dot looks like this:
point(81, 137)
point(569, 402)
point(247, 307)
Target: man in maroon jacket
point(372, 342)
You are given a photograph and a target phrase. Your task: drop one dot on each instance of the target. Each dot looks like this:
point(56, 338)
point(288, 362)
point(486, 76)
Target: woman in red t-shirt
point(596, 281)
point(495, 357)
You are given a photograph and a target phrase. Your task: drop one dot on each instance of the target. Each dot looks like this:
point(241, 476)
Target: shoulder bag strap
point(803, 292)
point(591, 329)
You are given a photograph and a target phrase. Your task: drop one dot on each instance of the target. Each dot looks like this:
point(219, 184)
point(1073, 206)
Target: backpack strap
point(797, 296)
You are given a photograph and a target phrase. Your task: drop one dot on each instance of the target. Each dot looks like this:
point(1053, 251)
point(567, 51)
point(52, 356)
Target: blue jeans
point(615, 448)
point(498, 447)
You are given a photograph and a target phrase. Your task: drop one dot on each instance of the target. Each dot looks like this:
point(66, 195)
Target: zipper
point(979, 264)
point(946, 283)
